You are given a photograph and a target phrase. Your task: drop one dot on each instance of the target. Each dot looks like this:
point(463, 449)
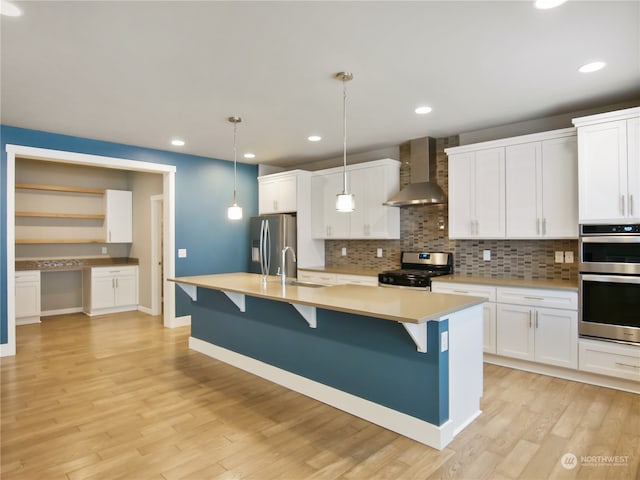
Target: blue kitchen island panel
point(368, 357)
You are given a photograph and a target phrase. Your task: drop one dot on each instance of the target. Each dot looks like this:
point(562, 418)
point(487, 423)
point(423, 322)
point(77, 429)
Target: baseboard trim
point(61, 311)
point(414, 428)
point(146, 310)
point(183, 321)
point(7, 350)
point(565, 373)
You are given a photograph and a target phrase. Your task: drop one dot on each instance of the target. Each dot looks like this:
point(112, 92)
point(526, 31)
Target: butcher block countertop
point(397, 304)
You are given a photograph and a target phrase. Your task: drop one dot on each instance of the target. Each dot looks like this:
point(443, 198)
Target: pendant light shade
point(234, 212)
point(345, 201)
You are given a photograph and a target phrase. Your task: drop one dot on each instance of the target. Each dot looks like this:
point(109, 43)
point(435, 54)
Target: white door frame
point(156, 254)
point(168, 172)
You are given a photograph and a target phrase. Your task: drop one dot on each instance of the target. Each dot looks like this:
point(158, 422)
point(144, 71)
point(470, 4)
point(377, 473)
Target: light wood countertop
point(397, 304)
point(370, 272)
point(509, 282)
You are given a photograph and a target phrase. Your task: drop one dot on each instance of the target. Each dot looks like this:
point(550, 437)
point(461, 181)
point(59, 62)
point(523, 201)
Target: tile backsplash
point(426, 228)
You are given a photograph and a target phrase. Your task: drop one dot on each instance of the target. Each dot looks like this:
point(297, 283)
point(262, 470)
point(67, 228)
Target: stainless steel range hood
point(420, 191)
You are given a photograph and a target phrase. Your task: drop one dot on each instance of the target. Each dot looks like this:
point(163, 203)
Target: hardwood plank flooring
point(121, 397)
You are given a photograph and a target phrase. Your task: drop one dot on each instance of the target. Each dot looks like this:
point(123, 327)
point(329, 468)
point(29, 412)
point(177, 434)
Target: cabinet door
point(514, 325)
point(602, 171)
point(118, 216)
point(287, 194)
point(267, 197)
point(556, 337)
point(559, 174)
point(523, 190)
point(489, 327)
point(336, 223)
point(126, 292)
point(461, 191)
point(489, 193)
point(102, 292)
point(633, 166)
point(318, 187)
point(372, 186)
point(27, 299)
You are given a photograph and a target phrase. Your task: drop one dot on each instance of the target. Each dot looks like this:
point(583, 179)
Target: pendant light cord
point(235, 170)
point(344, 135)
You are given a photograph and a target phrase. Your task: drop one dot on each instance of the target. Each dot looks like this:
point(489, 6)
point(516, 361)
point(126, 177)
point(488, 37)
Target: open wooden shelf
point(59, 188)
point(28, 241)
point(86, 216)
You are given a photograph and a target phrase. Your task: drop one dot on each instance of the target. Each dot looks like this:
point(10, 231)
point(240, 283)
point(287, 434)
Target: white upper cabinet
point(519, 187)
point(278, 193)
point(476, 194)
point(372, 183)
point(542, 189)
point(118, 216)
point(609, 166)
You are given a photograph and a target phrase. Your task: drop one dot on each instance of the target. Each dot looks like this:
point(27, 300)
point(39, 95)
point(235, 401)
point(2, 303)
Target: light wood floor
point(122, 397)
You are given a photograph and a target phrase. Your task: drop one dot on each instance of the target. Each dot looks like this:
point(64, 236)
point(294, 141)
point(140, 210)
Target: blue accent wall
point(368, 357)
point(204, 190)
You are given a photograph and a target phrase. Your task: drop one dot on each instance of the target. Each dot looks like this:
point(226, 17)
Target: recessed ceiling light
point(249, 155)
point(314, 138)
point(591, 67)
point(9, 9)
point(176, 142)
point(423, 110)
point(546, 4)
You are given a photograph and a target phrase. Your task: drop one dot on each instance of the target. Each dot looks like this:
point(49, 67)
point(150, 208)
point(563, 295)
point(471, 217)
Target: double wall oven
point(609, 282)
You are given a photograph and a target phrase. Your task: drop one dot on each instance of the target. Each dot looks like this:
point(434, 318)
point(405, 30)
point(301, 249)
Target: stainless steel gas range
point(417, 269)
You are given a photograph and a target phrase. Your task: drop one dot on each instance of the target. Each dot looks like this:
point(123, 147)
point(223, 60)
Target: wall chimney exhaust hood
point(420, 191)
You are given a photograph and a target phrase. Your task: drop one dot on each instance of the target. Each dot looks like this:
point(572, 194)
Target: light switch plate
point(559, 257)
point(104, 250)
point(344, 251)
point(444, 341)
point(486, 255)
point(182, 253)
point(379, 253)
point(568, 257)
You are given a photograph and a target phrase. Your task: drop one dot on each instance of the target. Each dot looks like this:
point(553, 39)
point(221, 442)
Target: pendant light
point(345, 201)
point(234, 212)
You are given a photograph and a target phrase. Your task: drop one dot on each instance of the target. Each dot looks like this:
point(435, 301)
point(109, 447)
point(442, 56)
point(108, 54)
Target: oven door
point(609, 307)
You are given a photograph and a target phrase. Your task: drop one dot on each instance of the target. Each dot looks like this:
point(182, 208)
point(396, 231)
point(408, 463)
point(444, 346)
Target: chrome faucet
point(283, 268)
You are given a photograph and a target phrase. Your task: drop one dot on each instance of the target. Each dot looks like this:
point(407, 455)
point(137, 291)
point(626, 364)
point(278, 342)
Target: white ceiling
point(143, 72)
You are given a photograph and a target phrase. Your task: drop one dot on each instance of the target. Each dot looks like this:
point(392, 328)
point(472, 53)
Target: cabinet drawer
point(28, 276)
point(357, 280)
point(606, 358)
point(539, 297)
point(317, 277)
point(112, 271)
point(465, 289)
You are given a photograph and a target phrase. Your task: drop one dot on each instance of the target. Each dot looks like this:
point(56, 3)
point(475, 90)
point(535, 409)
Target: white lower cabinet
point(110, 289)
point(608, 358)
point(329, 278)
point(528, 331)
point(27, 303)
point(488, 308)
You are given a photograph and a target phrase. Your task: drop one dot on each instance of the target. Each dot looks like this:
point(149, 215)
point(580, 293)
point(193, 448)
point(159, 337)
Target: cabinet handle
point(536, 319)
point(544, 226)
point(622, 204)
point(465, 292)
point(530, 322)
point(631, 205)
point(627, 365)
point(537, 226)
point(534, 298)
point(117, 283)
point(109, 235)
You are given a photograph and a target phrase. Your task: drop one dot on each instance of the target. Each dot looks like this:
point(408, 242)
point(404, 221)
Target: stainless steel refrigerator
point(269, 235)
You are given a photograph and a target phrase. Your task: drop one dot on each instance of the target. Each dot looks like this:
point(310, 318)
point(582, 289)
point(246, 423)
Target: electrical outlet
point(568, 257)
point(379, 253)
point(182, 253)
point(104, 250)
point(486, 255)
point(559, 257)
point(344, 251)
point(444, 341)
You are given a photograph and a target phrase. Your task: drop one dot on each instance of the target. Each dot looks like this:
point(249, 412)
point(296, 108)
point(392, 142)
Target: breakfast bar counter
point(408, 360)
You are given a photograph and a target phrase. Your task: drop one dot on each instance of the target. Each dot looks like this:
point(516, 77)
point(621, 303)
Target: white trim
point(61, 311)
point(60, 156)
point(414, 428)
point(156, 256)
point(105, 311)
point(616, 115)
point(564, 373)
point(183, 321)
point(146, 310)
point(503, 142)
point(28, 320)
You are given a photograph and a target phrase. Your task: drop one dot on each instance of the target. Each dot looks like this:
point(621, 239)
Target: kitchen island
point(407, 360)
